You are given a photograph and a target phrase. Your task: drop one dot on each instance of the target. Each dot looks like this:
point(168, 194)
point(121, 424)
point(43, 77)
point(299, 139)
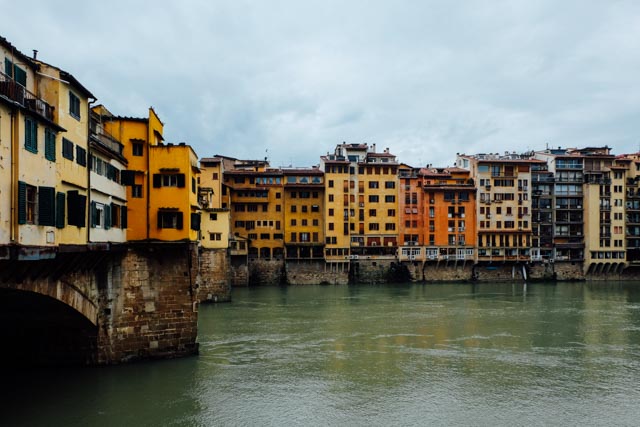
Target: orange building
point(450, 213)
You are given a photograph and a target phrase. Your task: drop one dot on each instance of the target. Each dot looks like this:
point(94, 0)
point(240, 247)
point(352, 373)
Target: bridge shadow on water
point(37, 330)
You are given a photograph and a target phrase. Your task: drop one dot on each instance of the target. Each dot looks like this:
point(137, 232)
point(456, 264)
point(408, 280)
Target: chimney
point(35, 54)
point(373, 147)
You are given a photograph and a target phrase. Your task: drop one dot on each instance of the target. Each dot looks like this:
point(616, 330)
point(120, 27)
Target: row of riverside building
point(75, 177)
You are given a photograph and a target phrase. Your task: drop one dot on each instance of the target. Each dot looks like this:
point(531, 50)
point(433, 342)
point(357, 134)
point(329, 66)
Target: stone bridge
point(100, 307)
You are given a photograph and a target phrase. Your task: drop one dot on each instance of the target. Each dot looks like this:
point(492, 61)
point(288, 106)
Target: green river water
point(411, 354)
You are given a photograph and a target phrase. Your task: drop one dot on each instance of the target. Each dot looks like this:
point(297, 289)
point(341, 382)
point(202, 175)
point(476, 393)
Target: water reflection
point(408, 354)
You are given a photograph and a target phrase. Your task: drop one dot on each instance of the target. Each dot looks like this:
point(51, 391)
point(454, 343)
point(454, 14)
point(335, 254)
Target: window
point(170, 220)
point(316, 222)
point(373, 226)
point(391, 212)
point(304, 222)
point(278, 195)
point(389, 184)
point(294, 208)
point(293, 222)
point(116, 215)
point(215, 236)
point(137, 148)
point(27, 203)
point(67, 149)
point(390, 199)
point(169, 180)
point(76, 208)
point(74, 105)
point(30, 135)
point(390, 226)
point(331, 212)
point(374, 198)
point(315, 208)
point(49, 145)
point(331, 226)
point(81, 156)
point(213, 216)
point(330, 183)
point(136, 191)
point(17, 73)
point(100, 215)
point(372, 212)
point(305, 208)
point(278, 208)
point(373, 184)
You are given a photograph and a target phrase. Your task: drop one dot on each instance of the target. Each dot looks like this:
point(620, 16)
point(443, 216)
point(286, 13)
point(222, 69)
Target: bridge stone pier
point(136, 301)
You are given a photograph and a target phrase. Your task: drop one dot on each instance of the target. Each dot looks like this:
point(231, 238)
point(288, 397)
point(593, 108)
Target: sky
point(288, 80)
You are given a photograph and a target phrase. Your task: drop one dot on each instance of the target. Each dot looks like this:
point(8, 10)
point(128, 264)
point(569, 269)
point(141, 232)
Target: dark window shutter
point(22, 202)
point(46, 204)
point(179, 220)
point(72, 208)
point(180, 180)
point(157, 180)
point(94, 214)
point(123, 211)
point(159, 220)
point(20, 75)
point(60, 202)
point(8, 67)
point(107, 217)
point(82, 208)
point(195, 221)
point(127, 177)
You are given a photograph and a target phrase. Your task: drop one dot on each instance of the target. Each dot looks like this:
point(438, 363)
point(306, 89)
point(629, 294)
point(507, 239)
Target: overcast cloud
point(291, 79)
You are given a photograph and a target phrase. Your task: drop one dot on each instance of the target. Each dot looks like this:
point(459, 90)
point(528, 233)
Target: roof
point(15, 52)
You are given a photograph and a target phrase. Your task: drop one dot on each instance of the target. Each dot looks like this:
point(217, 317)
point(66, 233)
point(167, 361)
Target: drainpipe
point(88, 161)
point(14, 176)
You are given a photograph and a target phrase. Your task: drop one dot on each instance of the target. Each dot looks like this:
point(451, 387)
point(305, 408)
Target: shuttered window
point(46, 206)
point(30, 135)
point(60, 205)
point(22, 202)
point(195, 221)
point(17, 73)
point(81, 156)
point(67, 149)
point(50, 145)
point(74, 105)
point(76, 209)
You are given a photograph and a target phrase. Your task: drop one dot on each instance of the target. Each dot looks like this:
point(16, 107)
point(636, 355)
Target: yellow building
point(303, 213)
point(336, 220)
point(503, 209)
point(215, 227)
point(71, 101)
point(28, 132)
point(361, 203)
point(256, 202)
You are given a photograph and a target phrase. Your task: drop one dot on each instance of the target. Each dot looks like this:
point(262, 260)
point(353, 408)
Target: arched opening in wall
point(37, 330)
point(265, 253)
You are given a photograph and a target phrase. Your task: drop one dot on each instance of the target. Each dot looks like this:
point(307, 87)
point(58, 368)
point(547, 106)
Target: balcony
point(21, 96)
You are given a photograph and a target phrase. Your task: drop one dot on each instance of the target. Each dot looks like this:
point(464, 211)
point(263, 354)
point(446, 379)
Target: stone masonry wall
point(266, 272)
point(214, 276)
point(238, 271)
point(149, 305)
point(313, 273)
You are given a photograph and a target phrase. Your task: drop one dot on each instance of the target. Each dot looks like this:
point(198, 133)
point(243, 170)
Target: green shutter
point(94, 214)
point(20, 75)
point(46, 206)
point(179, 221)
point(8, 67)
point(50, 145)
point(180, 180)
point(124, 217)
point(60, 203)
point(107, 217)
point(82, 210)
point(30, 135)
point(22, 202)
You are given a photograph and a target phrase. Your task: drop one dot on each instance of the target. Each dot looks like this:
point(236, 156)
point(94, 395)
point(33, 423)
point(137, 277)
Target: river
point(411, 354)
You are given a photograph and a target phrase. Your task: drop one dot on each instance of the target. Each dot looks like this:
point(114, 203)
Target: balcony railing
point(17, 93)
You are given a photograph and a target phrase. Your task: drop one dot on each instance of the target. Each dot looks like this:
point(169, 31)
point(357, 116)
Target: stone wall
point(314, 272)
point(238, 271)
point(371, 270)
point(266, 272)
point(214, 278)
point(149, 304)
point(446, 272)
